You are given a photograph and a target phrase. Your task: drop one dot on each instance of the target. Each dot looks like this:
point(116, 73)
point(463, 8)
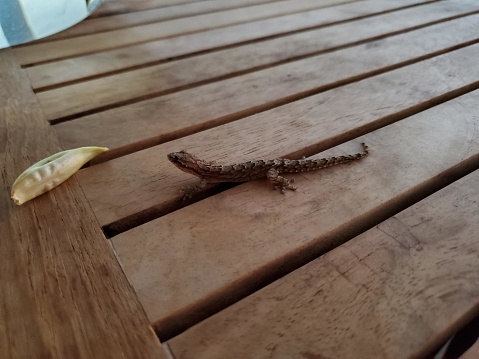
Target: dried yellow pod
point(50, 172)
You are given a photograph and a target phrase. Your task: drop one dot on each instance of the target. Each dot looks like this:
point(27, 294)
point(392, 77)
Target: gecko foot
point(188, 191)
point(280, 183)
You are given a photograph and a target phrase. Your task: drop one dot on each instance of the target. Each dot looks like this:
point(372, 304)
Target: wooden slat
point(63, 293)
point(146, 181)
point(395, 291)
point(112, 7)
point(152, 52)
point(239, 238)
point(117, 89)
point(143, 33)
point(91, 26)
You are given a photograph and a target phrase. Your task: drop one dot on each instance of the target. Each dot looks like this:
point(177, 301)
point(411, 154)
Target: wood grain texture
point(117, 89)
point(224, 259)
point(143, 33)
point(112, 7)
point(394, 291)
point(91, 26)
point(151, 52)
point(146, 180)
point(63, 293)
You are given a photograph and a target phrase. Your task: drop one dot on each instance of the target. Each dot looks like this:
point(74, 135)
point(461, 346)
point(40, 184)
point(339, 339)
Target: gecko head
point(182, 157)
point(184, 161)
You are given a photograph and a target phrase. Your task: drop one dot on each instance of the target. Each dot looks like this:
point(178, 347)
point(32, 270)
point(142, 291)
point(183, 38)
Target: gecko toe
point(186, 193)
point(283, 185)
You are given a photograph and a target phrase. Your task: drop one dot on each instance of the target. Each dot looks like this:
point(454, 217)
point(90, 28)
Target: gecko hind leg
point(280, 183)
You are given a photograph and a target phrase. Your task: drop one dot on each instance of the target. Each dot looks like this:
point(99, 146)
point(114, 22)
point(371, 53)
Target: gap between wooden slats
point(127, 191)
point(108, 62)
point(455, 346)
point(144, 17)
point(131, 128)
point(88, 44)
point(396, 291)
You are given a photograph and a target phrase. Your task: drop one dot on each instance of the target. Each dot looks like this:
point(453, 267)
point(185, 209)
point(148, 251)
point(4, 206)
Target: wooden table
point(374, 259)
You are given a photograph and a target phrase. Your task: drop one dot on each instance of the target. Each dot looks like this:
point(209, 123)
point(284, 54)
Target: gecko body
point(211, 172)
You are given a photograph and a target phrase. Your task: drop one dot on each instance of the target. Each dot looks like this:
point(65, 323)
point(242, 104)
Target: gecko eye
point(173, 157)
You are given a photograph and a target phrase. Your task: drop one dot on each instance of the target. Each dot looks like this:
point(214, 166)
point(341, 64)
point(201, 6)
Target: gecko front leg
point(189, 191)
point(280, 183)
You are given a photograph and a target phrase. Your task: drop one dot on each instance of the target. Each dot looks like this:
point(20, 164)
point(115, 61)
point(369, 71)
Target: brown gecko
point(210, 172)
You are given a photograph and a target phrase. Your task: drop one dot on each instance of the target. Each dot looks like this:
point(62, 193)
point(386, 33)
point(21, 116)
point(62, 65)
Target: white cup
point(27, 20)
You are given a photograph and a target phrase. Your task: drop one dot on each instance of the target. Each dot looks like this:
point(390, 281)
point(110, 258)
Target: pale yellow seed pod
point(50, 172)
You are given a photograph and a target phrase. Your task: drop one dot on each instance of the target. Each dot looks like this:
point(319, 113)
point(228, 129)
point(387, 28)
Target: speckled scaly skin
point(210, 172)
